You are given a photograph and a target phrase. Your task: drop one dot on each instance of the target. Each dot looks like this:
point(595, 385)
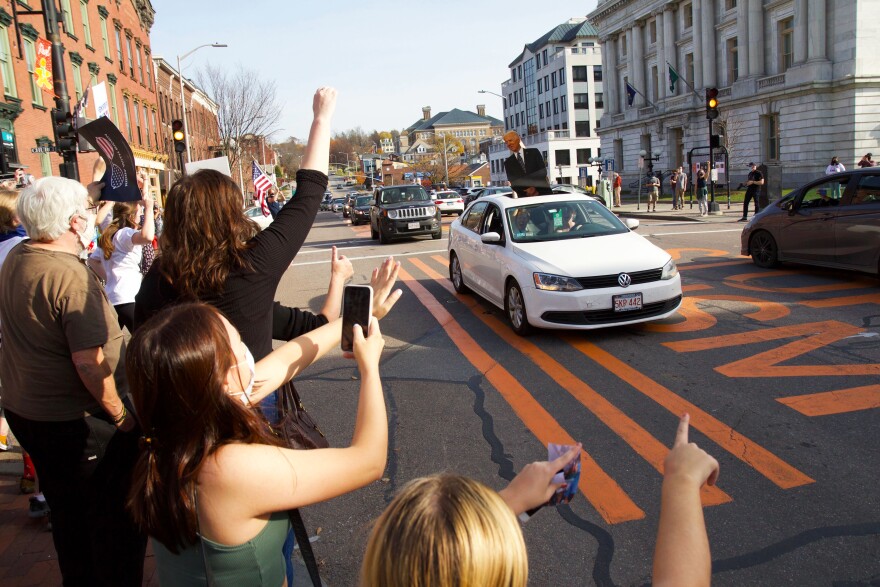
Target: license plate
point(627, 302)
point(413, 226)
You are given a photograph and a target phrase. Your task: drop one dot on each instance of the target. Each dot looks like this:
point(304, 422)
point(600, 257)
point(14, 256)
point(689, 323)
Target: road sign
point(641, 162)
point(609, 164)
point(43, 150)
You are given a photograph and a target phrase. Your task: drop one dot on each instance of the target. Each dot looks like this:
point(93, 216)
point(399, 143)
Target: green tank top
point(259, 561)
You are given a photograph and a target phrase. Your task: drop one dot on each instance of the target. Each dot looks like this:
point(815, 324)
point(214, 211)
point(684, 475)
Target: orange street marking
point(766, 364)
point(641, 441)
point(835, 402)
point(676, 253)
point(609, 499)
point(696, 287)
point(690, 266)
point(762, 460)
point(741, 282)
point(871, 298)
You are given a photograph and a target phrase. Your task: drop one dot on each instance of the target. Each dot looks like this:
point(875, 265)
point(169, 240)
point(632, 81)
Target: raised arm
point(682, 557)
point(148, 230)
point(317, 153)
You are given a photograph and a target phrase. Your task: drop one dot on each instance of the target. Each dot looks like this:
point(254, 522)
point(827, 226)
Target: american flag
point(261, 187)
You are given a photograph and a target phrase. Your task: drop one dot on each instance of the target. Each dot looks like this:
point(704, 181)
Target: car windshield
point(446, 195)
point(338, 200)
point(363, 201)
point(561, 220)
point(404, 194)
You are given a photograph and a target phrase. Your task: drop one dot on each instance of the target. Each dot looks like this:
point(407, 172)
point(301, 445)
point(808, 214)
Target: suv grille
point(404, 213)
point(638, 277)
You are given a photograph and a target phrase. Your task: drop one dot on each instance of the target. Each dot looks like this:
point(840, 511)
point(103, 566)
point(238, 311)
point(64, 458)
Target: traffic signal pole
point(68, 168)
point(712, 114)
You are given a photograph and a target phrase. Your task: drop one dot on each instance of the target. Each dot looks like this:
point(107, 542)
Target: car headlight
point(669, 270)
point(552, 282)
point(392, 214)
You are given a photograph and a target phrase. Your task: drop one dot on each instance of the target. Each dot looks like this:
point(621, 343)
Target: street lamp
point(655, 156)
point(183, 98)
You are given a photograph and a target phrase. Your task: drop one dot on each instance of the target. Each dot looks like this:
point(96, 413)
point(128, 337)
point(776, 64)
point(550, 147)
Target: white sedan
point(256, 214)
point(448, 202)
point(560, 261)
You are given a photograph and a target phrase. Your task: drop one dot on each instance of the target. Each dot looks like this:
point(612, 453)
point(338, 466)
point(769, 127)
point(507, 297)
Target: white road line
point(372, 257)
point(693, 232)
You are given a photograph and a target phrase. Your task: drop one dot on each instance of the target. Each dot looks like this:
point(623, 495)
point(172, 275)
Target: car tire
point(383, 240)
point(373, 233)
point(765, 252)
point(515, 308)
point(455, 275)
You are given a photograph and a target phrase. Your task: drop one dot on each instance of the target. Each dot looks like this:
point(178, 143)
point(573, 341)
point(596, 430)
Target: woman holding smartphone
point(214, 497)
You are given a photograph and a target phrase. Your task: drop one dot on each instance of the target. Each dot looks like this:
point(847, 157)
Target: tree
point(247, 104)
point(290, 152)
point(733, 138)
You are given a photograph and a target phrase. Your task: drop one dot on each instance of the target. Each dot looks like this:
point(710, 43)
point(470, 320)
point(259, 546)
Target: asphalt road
point(797, 501)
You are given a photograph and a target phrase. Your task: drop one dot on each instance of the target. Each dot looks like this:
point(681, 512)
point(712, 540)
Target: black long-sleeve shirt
point(247, 297)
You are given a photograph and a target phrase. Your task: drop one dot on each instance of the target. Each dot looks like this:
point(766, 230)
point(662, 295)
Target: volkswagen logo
point(624, 280)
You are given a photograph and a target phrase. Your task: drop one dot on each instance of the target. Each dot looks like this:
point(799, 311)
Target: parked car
point(472, 195)
point(325, 201)
point(449, 202)
point(403, 211)
point(830, 222)
point(566, 188)
point(544, 260)
point(255, 213)
point(336, 204)
point(490, 191)
point(360, 210)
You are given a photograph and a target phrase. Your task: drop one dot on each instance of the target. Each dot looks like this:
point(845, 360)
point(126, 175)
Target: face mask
point(249, 388)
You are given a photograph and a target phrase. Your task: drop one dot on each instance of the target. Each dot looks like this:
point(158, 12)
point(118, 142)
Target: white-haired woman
point(63, 387)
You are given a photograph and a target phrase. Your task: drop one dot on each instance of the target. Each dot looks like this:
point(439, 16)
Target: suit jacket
point(534, 175)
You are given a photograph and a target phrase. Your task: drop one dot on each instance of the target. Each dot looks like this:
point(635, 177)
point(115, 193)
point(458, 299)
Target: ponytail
point(122, 212)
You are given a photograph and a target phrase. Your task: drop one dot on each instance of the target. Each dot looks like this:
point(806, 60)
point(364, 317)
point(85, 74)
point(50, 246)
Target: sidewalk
point(631, 208)
point(27, 554)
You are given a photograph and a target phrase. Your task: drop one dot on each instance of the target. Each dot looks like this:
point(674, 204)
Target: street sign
point(43, 150)
point(641, 162)
point(609, 164)
point(8, 138)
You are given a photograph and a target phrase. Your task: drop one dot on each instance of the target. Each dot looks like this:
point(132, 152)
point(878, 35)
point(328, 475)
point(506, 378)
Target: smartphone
point(357, 307)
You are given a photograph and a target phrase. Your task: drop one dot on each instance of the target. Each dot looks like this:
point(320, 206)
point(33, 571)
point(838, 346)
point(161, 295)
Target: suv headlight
point(669, 270)
point(552, 282)
point(392, 214)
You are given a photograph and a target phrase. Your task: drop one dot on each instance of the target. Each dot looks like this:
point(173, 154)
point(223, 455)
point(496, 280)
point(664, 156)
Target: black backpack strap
point(305, 547)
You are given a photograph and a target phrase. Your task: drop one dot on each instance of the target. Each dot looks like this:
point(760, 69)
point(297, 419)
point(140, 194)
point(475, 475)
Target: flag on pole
point(261, 187)
point(673, 77)
point(630, 94)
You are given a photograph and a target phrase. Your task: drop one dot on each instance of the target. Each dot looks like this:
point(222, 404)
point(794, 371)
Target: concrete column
point(710, 69)
point(630, 69)
point(609, 76)
point(670, 53)
point(638, 61)
point(756, 37)
point(662, 84)
point(800, 31)
point(698, 43)
point(817, 32)
point(742, 38)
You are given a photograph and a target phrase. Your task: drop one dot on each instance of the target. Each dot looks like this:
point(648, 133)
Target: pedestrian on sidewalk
point(834, 167)
point(618, 186)
point(64, 386)
point(702, 193)
point(681, 186)
point(753, 182)
point(866, 161)
point(673, 179)
point(653, 192)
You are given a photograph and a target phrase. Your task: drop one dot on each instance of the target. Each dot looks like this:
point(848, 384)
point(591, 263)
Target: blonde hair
point(8, 217)
point(123, 213)
point(446, 530)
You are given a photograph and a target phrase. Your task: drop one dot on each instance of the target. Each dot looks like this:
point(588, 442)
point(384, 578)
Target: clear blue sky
point(387, 59)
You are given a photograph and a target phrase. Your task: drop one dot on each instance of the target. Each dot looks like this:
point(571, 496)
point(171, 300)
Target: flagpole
point(679, 77)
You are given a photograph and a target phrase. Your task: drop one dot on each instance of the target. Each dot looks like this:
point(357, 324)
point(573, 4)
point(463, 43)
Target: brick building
point(104, 41)
point(203, 132)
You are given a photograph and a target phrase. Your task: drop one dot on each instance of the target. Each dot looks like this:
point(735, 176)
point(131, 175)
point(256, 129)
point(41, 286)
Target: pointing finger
point(681, 436)
point(333, 254)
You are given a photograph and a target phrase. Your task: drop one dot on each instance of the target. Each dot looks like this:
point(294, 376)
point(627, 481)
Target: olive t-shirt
point(52, 305)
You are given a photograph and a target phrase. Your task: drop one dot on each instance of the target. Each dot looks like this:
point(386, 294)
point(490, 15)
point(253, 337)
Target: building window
point(140, 65)
point(77, 80)
point(553, 79)
point(537, 62)
point(87, 29)
point(513, 74)
point(129, 52)
point(137, 122)
point(520, 94)
point(149, 71)
point(519, 70)
point(563, 102)
point(111, 90)
point(689, 66)
point(770, 130)
point(618, 155)
point(600, 102)
point(582, 128)
point(127, 117)
point(555, 105)
point(540, 86)
point(687, 11)
point(147, 125)
point(655, 83)
point(155, 130)
point(31, 58)
point(732, 60)
point(652, 31)
point(786, 43)
point(563, 157)
point(623, 45)
point(729, 4)
point(597, 73)
point(119, 50)
point(6, 64)
point(561, 77)
point(66, 17)
point(540, 111)
point(105, 38)
point(583, 156)
point(544, 55)
point(579, 73)
point(93, 78)
point(546, 80)
point(581, 101)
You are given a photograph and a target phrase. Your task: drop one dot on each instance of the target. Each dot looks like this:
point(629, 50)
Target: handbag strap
point(209, 576)
point(305, 546)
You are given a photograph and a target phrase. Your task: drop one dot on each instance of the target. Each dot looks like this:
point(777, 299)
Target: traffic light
point(711, 103)
point(178, 135)
point(715, 141)
point(65, 134)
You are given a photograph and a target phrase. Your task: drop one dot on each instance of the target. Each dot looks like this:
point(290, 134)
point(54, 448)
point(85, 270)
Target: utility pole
point(62, 119)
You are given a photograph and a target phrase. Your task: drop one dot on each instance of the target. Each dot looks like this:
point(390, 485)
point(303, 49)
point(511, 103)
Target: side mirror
point(789, 205)
point(631, 223)
point(490, 238)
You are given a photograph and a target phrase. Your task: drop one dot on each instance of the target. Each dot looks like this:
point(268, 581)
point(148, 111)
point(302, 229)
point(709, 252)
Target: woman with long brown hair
point(119, 253)
point(214, 497)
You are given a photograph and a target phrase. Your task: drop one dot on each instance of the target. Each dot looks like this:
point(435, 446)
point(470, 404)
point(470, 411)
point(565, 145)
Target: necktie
point(521, 162)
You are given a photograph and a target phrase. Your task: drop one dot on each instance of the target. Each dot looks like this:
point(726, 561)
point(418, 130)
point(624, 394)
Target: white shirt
point(123, 268)
point(834, 169)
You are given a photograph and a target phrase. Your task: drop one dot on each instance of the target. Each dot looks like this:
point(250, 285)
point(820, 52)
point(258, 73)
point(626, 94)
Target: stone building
point(468, 128)
point(798, 81)
point(554, 99)
point(104, 42)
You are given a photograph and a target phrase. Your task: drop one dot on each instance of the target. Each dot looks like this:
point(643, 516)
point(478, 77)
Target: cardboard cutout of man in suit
point(525, 168)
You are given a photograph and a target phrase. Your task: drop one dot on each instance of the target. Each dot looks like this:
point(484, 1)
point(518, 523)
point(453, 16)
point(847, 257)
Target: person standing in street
point(681, 186)
point(272, 203)
point(834, 167)
point(525, 168)
point(653, 192)
point(866, 161)
point(753, 182)
point(702, 193)
point(64, 387)
point(618, 186)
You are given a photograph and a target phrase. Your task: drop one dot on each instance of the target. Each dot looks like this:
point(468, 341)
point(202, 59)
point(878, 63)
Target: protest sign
point(120, 179)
